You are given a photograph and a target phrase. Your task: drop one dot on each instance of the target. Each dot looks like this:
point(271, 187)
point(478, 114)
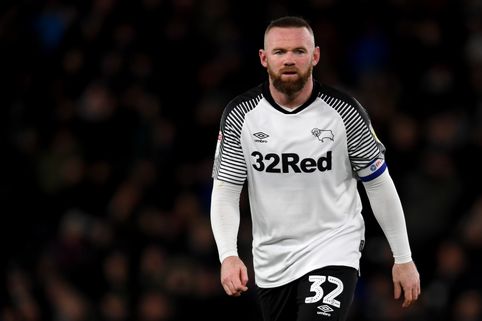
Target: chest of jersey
point(311, 141)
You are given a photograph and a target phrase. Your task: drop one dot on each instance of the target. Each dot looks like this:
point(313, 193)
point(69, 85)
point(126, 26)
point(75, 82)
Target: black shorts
point(323, 294)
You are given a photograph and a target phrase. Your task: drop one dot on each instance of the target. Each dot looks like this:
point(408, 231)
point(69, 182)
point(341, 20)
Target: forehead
point(288, 37)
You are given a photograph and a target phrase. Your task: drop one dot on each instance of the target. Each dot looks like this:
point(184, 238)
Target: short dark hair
point(289, 22)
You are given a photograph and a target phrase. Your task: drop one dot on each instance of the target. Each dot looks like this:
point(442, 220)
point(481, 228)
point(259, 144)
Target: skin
point(406, 283)
point(234, 276)
point(289, 56)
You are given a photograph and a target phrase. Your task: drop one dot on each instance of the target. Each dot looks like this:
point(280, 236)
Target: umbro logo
point(261, 137)
point(325, 310)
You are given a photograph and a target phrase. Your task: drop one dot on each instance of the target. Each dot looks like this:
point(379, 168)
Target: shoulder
point(243, 103)
point(341, 101)
point(249, 97)
point(332, 95)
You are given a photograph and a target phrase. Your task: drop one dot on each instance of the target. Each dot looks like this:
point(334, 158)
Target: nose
point(289, 59)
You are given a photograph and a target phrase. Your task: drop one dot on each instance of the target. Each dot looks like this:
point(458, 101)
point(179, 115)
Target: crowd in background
point(109, 119)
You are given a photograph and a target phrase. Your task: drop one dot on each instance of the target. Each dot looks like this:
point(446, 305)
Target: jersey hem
point(303, 272)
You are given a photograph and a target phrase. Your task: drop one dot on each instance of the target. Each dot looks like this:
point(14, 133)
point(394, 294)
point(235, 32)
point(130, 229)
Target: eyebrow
point(284, 49)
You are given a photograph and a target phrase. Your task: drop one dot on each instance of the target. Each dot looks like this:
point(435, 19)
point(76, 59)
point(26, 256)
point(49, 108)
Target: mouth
point(289, 73)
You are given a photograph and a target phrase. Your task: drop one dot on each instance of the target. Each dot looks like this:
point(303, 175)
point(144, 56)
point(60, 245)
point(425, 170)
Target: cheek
point(308, 63)
point(274, 63)
point(268, 64)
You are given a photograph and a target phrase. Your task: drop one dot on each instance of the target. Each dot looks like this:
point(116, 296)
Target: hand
point(234, 276)
point(407, 280)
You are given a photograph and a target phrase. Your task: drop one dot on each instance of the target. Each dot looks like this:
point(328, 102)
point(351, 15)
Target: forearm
point(225, 217)
point(388, 211)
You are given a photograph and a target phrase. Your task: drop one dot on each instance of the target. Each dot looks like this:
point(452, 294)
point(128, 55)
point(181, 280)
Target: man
point(302, 146)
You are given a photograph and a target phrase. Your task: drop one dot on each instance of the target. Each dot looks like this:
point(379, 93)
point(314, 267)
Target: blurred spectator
point(468, 306)
point(154, 306)
point(110, 118)
point(114, 307)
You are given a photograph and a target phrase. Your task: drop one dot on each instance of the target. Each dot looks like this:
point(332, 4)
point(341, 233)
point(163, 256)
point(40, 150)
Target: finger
point(235, 285)
point(397, 290)
point(416, 293)
point(408, 297)
point(226, 289)
point(244, 277)
point(238, 285)
point(238, 288)
point(407, 302)
point(242, 287)
point(230, 288)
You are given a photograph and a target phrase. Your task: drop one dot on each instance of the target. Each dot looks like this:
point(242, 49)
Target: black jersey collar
point(269, 98)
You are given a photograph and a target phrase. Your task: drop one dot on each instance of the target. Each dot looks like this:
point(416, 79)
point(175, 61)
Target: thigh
point(278, 304)
point(326, 294)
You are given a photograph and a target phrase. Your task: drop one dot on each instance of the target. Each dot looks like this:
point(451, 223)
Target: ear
point(316, 55)
point(263, 58)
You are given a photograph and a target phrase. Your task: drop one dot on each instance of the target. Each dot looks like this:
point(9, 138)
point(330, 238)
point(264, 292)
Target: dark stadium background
point(109, 119)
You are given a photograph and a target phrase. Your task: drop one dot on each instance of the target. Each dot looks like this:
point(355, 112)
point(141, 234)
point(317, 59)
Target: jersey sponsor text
point(290, 162)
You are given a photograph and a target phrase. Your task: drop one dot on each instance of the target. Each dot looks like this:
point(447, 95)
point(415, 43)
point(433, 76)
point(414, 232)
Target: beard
point(291, 86)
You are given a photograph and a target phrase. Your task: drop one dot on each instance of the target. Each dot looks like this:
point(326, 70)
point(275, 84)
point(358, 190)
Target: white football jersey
point(302, 169)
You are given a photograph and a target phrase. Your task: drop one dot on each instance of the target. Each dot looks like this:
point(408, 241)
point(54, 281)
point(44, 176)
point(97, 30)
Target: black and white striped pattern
point(229, 164)
point(363, 147)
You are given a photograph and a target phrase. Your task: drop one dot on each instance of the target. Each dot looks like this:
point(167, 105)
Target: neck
point(294, 100)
